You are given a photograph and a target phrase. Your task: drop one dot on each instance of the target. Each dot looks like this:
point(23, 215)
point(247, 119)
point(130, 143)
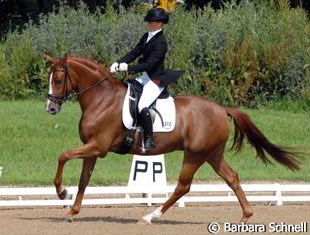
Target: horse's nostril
point(52, 111)
point(52, 108)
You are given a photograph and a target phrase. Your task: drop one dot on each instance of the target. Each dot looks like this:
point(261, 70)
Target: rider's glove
point(114, 67)
point(123, 67)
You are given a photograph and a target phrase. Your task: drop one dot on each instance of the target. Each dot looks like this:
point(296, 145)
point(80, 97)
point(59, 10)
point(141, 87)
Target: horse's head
point(60, 84)
point(73, 76)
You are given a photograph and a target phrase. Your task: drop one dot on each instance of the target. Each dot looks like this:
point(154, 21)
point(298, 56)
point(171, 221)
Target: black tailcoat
point(152, 56)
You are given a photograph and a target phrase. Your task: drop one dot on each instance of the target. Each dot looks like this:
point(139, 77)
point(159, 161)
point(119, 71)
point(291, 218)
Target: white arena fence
point(274, 193)
point(147, 184)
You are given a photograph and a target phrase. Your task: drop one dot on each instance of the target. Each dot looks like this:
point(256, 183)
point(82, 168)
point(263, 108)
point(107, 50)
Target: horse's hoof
point(69, 219)
point(245, 218)
point(143, 221)
point(62, 195)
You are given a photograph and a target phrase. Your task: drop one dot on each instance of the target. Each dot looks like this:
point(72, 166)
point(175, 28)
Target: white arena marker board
point(148, 174)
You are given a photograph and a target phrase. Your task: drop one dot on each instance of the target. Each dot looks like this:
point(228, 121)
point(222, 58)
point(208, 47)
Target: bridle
point(68, 95)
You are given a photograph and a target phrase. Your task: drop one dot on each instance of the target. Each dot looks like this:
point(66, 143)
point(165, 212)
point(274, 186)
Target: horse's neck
point(106, 93)
point(84, 74)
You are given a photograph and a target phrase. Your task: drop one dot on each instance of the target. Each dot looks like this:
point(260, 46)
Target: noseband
point(68, 95)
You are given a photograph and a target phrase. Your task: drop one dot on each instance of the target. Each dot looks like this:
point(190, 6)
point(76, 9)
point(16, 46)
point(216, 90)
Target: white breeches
point(150, 91)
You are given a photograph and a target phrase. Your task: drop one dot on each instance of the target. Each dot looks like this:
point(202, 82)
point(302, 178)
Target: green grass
point(31, 141)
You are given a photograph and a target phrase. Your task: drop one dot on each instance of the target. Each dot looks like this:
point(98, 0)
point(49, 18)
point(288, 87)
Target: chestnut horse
point(202, 130)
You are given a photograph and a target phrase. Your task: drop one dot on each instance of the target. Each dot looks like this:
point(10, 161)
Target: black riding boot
point(147, 125)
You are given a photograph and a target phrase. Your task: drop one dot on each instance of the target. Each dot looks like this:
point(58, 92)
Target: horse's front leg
point(88, 167)
point(61, 192)
point(88, 151)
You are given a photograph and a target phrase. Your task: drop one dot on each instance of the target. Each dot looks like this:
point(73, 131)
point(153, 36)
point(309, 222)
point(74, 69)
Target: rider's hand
point(123, 67)
point(114, 67)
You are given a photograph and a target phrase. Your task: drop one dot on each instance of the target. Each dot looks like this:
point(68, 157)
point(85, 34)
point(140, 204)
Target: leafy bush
point(19, 64)
point(244, 54)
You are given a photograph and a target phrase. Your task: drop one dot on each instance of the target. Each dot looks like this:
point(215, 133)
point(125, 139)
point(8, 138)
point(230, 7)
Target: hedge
point(243, 54)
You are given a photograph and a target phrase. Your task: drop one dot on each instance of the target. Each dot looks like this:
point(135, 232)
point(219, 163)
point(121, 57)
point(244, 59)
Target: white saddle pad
point(165, 107)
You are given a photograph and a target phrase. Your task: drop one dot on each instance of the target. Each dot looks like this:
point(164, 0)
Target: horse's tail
point(244, 127)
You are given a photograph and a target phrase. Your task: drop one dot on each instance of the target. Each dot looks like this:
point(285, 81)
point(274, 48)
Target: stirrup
point(149, 144)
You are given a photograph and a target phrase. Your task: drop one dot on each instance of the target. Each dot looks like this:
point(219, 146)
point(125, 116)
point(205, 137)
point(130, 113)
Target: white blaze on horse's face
point(52, 107)
point(50, 88)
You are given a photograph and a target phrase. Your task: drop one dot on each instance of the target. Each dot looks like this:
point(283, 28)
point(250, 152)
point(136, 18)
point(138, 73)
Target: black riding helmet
point(157, 14)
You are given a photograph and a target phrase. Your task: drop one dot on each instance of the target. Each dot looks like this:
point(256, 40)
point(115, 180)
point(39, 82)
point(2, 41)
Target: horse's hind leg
point(189, 168)
point(222, 168)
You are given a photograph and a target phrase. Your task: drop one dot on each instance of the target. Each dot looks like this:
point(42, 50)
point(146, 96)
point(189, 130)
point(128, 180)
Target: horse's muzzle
point(52, 107)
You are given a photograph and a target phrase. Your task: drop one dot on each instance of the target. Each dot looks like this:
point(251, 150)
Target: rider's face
point(153, 26)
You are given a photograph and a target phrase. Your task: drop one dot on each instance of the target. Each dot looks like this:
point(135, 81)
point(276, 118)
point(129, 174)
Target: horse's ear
point(64, 59)
point(48, 58)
